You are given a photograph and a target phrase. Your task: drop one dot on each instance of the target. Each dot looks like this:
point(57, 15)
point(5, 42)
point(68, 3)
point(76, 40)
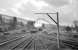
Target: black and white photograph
point(38, 24)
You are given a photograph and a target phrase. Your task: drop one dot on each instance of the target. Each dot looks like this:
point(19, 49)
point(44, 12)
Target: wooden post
point(58, 33)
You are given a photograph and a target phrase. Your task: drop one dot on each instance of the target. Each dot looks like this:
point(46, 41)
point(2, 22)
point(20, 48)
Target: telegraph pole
point(58, 34)
point(57, 23)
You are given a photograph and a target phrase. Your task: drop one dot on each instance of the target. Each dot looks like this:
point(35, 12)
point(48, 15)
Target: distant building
point(30, 24)
point(1, 19)
point(76, 25)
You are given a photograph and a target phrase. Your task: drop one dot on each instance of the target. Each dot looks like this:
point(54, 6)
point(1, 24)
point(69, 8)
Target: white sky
point(26, 9)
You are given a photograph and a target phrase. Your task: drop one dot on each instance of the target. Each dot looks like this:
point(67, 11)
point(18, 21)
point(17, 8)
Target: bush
point(68, 28)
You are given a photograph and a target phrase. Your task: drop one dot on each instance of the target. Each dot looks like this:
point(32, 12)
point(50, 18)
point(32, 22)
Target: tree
point(67, 28)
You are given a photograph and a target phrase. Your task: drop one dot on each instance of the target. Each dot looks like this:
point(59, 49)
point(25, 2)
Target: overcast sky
point(68, 9)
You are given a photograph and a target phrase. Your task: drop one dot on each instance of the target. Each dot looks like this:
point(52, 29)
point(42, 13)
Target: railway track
point(38, 45)
point(33, 42)
point(18, 43)
point(10, 43)
point(23, 45)
point(9, 37)
point(13, 39)
point(71, 44)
